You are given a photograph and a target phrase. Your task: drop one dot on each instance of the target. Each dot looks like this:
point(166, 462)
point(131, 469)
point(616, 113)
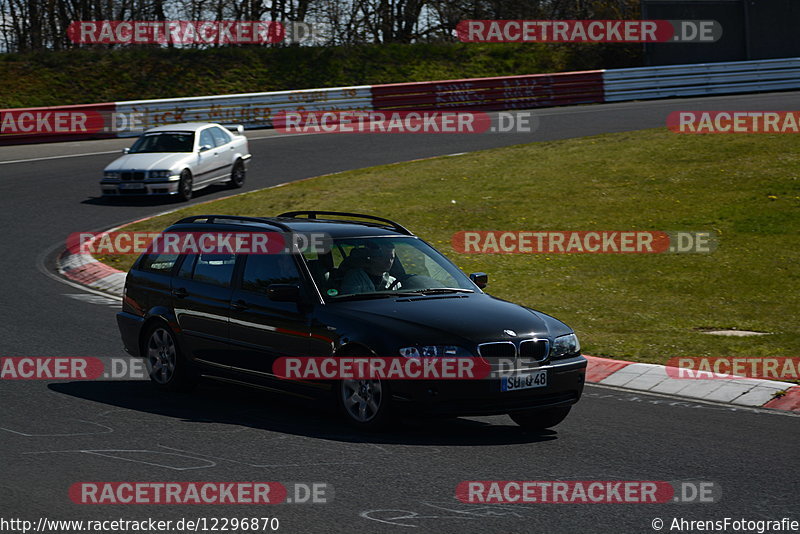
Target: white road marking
point(103, 300)
point(107, 431)
point(464, 511)
point(106, 453)
point(260, 465)
point(58, 157)
point(635, 395)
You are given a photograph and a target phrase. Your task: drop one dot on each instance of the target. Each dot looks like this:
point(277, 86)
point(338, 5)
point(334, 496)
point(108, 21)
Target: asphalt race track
point(53, 434)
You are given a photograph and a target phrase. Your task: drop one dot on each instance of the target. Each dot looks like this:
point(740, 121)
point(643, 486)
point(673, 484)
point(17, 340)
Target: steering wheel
point(400, 279)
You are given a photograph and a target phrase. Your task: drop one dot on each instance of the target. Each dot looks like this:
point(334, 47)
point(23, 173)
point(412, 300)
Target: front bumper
point(139, 187)
point(483, 397)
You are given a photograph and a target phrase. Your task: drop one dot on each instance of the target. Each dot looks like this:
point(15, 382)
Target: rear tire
point(540, 419)
point(166, 365)
point(237, 175)
point(185, 185)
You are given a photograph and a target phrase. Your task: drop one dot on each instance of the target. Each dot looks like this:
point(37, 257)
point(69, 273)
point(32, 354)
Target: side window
point(158, 263)
point(338, 255)
point(341, 253)
point(215, 269)
point(206, 138)
point(187, 267)
point(413, 259)
point(261, 270)
point(220, 137)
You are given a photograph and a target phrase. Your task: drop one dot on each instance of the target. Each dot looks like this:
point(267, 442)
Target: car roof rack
point(211, 219)
point(313, 215)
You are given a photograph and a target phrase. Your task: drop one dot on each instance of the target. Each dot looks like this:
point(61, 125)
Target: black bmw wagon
point(375, 290)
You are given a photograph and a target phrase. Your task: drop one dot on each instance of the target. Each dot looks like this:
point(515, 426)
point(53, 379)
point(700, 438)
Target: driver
point(373, 273)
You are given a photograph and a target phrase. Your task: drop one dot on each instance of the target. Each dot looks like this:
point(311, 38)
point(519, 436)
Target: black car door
point(261, 329)
point(201, 293)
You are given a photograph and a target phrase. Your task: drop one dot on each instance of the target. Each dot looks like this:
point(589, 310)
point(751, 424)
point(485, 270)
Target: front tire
point(540, 419)
point(237, 175)
point(185, 185)
point(365, 404)
point(166, 365)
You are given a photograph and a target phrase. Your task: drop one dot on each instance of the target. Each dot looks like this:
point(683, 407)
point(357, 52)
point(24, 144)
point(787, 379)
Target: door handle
point(180, 292)
point(239, 305)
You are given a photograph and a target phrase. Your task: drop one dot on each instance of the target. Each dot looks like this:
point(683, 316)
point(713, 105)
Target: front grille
point(533, 350)
point(132, 175)
point(498, 349)
point(504, 356)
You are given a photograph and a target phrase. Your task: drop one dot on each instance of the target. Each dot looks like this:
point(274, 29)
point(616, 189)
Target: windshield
point(163, 142)
point(371, 267)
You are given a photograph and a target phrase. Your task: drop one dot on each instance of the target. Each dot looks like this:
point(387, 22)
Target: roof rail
point(313, 215)
point(211, 219)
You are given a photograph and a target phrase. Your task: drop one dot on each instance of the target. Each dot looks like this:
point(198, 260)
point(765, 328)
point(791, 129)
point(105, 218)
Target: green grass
point(88, 76)
point(646, 307)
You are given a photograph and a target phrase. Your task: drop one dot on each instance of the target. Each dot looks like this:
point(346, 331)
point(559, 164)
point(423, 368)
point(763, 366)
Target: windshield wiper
point(387, 294)
point(437, 290)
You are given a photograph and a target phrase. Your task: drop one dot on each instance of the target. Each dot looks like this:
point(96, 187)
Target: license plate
point(524, 381)
point(131, 186)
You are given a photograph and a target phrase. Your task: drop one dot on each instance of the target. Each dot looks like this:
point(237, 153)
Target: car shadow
point(215, 402)
point(143, 200)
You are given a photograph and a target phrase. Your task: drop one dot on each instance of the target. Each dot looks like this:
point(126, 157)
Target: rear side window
point(158, 263)
point(220, 137)
point(262, 270)
point(215, 269)
point(187, 267)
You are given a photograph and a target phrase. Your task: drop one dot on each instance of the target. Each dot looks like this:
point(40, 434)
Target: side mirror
point(126, 150)
point(205, 147)
point(480, 279)
point(283, 292)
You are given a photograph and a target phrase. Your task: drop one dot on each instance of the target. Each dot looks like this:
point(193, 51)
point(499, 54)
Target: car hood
point(465, 319)
point(150, 162)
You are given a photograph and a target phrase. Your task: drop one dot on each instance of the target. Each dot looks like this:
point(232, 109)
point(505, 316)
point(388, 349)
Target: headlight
point(565, 346)
point(111, 175)
point(160, 174)
point(434, 351)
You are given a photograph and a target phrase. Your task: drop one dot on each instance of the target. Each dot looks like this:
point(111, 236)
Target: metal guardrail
point(264, 110)
point(701, 79)
point(252, 110)
point(506, 92)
